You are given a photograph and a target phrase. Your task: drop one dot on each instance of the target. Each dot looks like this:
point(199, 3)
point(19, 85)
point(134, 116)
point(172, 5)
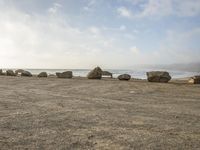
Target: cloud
point(90, 6)
point(58, 40)
point(124, 12)
point(156, 8)
point(161, 8)
point(55, 8)
point(40, 41)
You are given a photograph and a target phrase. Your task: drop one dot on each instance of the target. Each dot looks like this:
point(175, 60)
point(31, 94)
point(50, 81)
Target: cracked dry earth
point(77, 113)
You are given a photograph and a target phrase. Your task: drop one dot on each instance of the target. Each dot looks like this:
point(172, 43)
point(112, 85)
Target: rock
point(124, 77)
point(194, 80)
point(96, 73)
point(26, 74)
point(66, 74)
point(10, 73)
point(158, 76)
point(1, 72)
point(18, 71)
point(107, 73)
point(42, 75)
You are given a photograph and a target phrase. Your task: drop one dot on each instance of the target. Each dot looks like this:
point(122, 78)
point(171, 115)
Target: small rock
point(194, 80)
point(107, 73)
point(124, 77)
point(66, 74)
point(26, 74)
point(42, 75)
point(18, 71)
point(10, 73)
point(1, 72)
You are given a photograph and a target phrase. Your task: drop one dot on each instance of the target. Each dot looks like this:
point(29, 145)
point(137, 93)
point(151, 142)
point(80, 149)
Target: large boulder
point(124, 77)
point(42, 75)
point(10, 73)
point(96, 73)
point(18, 71)
point(66, 74)
point(26, 74)
point(194, 80)
point(107, 73)
point(158, 76)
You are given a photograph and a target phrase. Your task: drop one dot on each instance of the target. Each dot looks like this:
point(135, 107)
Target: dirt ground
point(75, 114)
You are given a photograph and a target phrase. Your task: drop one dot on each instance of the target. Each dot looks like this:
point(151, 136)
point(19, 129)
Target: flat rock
point(158, 76)
point(124, 77)
point(26, 74)
point(66, 74)
point(107, 73)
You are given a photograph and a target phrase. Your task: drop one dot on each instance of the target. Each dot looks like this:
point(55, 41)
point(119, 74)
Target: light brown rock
point(194, 80)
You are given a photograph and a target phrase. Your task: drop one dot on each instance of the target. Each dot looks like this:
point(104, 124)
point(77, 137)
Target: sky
point(108, 33)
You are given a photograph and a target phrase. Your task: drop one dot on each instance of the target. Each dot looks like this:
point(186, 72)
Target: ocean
point(141, 74)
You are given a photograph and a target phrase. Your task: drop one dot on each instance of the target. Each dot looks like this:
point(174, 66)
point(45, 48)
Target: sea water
point(141, 74)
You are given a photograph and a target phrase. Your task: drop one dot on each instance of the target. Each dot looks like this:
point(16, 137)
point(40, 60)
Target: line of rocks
point(97, 73)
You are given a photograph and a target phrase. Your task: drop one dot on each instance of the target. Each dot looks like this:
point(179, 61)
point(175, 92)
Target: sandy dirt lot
point(103, 114)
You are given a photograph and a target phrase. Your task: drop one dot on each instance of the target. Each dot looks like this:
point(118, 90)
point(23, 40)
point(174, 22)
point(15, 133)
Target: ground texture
point(103, 114)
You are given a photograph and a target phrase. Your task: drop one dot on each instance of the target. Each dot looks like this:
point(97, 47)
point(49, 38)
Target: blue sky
point(108, 33)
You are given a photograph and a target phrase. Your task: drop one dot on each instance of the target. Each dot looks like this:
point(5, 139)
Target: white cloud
point(162, 8)
point(156, 8)
point(34, 41)
point(55, 8)
point(124, 12)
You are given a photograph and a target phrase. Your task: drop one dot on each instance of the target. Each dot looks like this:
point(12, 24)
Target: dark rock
point(66, 74)
point(107, 73)
point(124, 77)
point(18, 71)
point(1, 72)
point(96, 73)
point(10, 73)
point(42, 75)
point(26, 74)
point(158, 76)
